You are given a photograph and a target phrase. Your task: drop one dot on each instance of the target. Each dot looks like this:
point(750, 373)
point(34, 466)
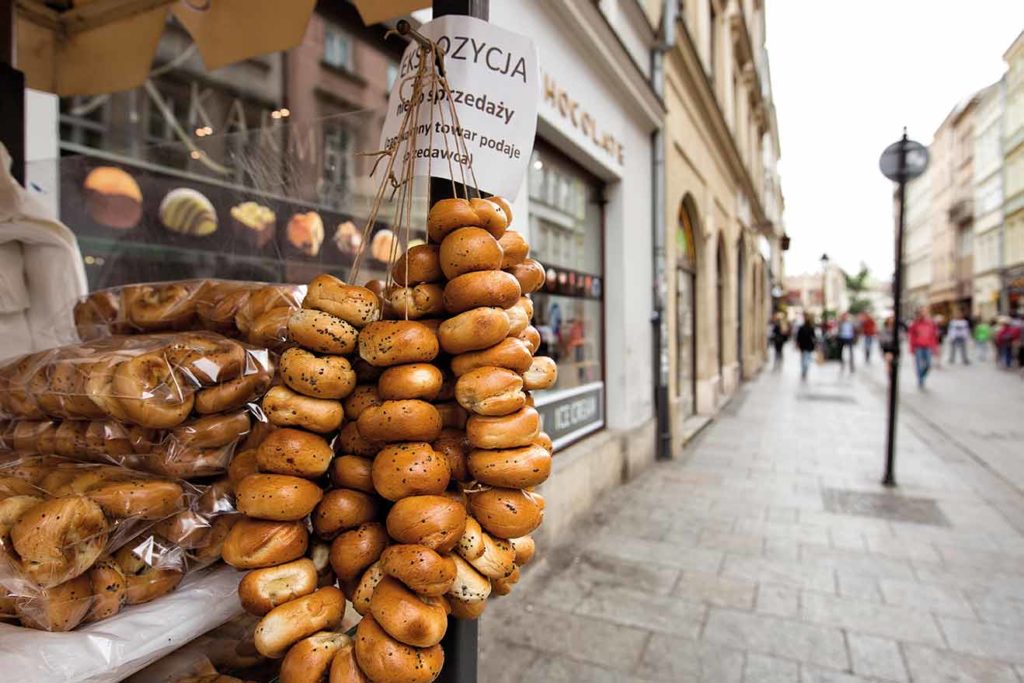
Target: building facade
point(918, 241)
point(988, 202)
point(1013, 180)
point(723, 202)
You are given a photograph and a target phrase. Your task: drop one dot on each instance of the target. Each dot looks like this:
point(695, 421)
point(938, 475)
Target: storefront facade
point(586, 209)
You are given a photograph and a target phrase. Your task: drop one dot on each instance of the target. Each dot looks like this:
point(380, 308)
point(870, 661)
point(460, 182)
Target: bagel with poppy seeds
point(394, 342)
point(270, 330)
point(356, 549)
point(467, 250)
point(514, 468)
point(309, 659)
point(317, 376)
point(297, 619)
point(406, 616)
point(295, 452)
point(507, 513)
point(351, 441)
point(356, 305)
point(344, 668)
point(469, 584)
point(145, 582)
point(531, 337)
point(236, 393)
point(362, 397)
point(352, 472)
point(453, 445)
point(434, 521)
point(343, 509)
point(530, 274)
point(462, 609)
point(322, 332)
point(362, 592)
point(453, 416)
point(416, 301)
point(59, 539)
point(447, 215)
point(256, 543)
point(508, 431)
point(478, 328)
point(410, 420)
point(150, 499)
point(514, 249)
point(277, 497)
point(109, 589)
point(481, 288)
point(490, 391)
point(509, 353)
point(57, 608)
point(471, 544)
point(412, 381)
point(420, 263)
point(287, 408)
point(525, 548)
point(384, 659)
point(422, 570)
point(498, 559)
point(409, 469)
point(212, 431)
point(503, 586)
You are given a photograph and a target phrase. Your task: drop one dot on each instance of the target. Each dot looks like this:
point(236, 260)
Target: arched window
point(720, 275)
point(686, 307)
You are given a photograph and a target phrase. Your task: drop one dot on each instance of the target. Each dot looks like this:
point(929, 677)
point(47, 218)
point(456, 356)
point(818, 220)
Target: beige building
point(1013, 179)
point(988, 201)
point(917, 249)
point(804, 294)
point(723, 203)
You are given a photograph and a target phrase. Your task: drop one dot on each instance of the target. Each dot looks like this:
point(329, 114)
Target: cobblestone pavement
point(771, 553)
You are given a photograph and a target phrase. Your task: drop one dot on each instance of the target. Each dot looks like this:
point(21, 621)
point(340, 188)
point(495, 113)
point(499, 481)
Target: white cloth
point(41, 272)
point(959, 329)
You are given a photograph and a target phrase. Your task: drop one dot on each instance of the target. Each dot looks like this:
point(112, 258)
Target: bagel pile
point(66, 554)
point(415, 459)
point(173, 404)
point(252, 311)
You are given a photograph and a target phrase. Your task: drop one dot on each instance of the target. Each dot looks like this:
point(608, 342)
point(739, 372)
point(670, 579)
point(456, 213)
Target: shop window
point(338, 49)
point(686, 308)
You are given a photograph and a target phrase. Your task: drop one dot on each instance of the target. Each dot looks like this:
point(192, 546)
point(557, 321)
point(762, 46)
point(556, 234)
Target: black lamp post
point(824, 289)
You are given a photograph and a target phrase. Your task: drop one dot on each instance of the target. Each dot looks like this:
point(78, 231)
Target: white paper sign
point(495, 88)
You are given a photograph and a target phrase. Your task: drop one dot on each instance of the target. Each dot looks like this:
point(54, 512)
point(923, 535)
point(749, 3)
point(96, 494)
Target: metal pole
point(897, 303)
point(12, 93)
point(461, 640)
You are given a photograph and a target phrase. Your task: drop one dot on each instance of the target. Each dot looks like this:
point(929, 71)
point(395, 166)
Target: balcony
point(961, 211)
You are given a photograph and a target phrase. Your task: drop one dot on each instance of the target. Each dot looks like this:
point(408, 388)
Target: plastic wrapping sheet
point(252, 311)
point(113, 649)
point(153, 381)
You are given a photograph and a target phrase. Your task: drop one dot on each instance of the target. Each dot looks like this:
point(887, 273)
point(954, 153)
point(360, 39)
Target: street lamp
point(824, 284)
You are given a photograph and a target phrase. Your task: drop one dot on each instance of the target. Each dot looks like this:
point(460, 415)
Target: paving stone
point(795, 574)
point(998, 609)
point(876, 657)
point(500, 661)
point(595, 569)
point(557, 669)
point(858, 587)
point(922, 596)
point(814, 674)
point(770, 635)
point(652, 612)
point(900, 623)
point(984, 640)
point(929, 664)
point(715, 590)
point(739, 544)
point(779, 601)
point(765, 669)
point(858, 563)
point(665, 554)
point(671, 658)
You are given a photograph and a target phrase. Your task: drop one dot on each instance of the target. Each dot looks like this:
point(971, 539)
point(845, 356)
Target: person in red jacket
point(869, 330)
point(924, 341)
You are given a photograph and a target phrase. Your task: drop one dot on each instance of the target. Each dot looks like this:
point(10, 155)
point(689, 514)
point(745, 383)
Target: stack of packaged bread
point(407, 439)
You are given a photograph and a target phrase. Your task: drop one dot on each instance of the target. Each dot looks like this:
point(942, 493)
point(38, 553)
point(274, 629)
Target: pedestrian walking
point(779, 337)
point(1007, 337)
point(924, 341)
point(982, 338)
point(888, 340)
point(806, 341)
point(959, 332)
point(847, 336)
point(868, 328)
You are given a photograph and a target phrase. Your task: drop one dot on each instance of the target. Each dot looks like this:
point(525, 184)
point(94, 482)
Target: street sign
point(914, 164)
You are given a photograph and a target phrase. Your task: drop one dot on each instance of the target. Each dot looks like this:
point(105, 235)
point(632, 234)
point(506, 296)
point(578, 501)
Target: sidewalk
point(770, 553)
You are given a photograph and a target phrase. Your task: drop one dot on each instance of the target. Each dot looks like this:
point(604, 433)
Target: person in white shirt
point(959, 333)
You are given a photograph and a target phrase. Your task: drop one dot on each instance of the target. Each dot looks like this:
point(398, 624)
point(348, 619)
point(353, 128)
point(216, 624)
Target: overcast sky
point(847, 77)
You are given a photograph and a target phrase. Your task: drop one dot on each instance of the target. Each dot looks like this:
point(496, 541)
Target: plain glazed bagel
point(353, 304)
point(294, 452)
point(386, 660)
point(481, 288)
point(490, 391)
point(454, 446)
point(187, 529)
point(67, 384)
point(407, 617)
point(206, 359)
point(298, 618)
point(400, 421)
point(350, 441)
point(394, 342)
point(476, 329)
point(270, 330)
point(471, 544)
point(262, 300)
point(256, 543)
point(508, 431)
point(317, 376)
point(467, 611)
point(361, 398)
point(514, 249)
point(217, 304)
point(322, 332)
point(498, 559)
point(186, 463)
point(150, 499)
point(168, 306)
point(509, 353)
point(422, 570)
point(362, 592)
point(453, 416)
point(469, 584)
point(543, 374)
point(235, 393)
point(514, 468)
point(518, 320)
point(242, 465)
point(544, 441)
point(420, 263)
point(434, 521)
point(352, 472)
point(99, 386)
point(261, 590)
point(450, 214)
point(507, 513)
point(417, 301)
point(212, 431)
point(356, 549)
point(286, 408)
point(309, 659)
point(56, 608)
point(343, 509)
point(344, 668)
point(467, 250)
point(409, 469)
point(59, 539)
point(12, 508)
point(525, 548)
point(109, 589)
point(413, 381)
point(213, 545)
point(150, 393)
point(531, 337)
point(276, 497)
point(143, 581)
point(530, 274)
